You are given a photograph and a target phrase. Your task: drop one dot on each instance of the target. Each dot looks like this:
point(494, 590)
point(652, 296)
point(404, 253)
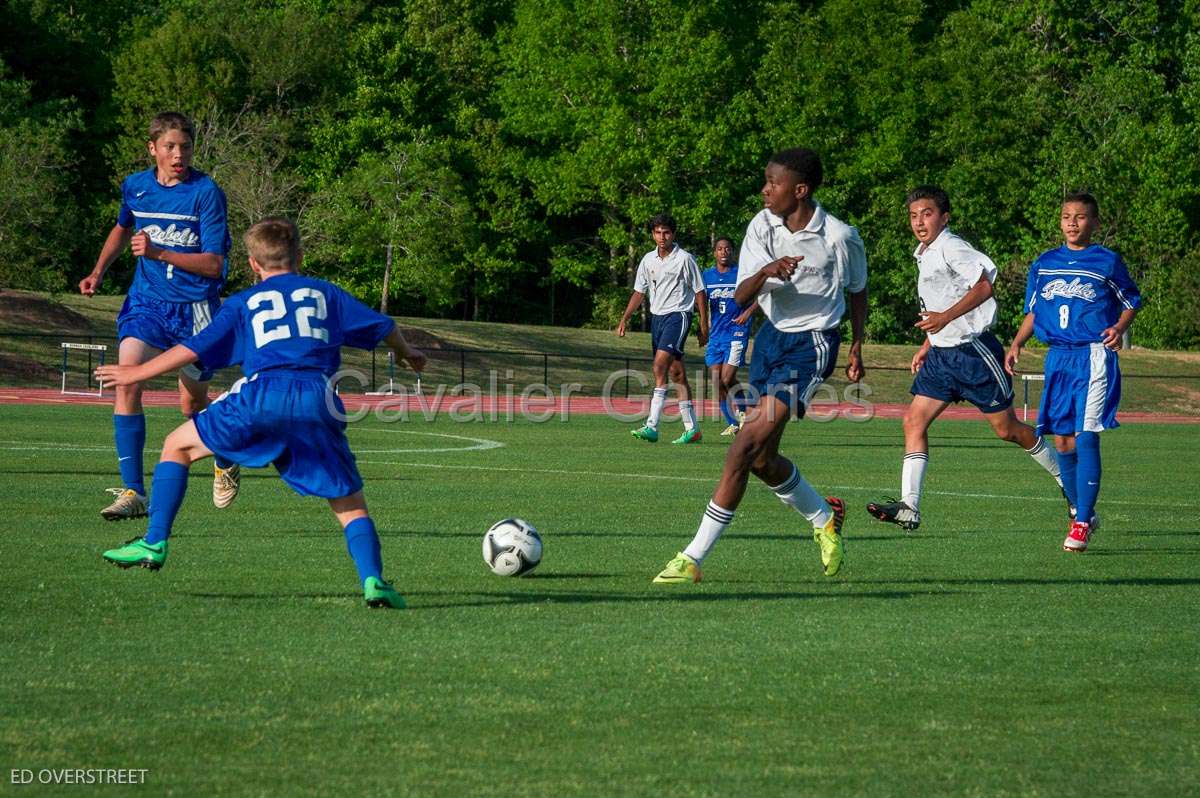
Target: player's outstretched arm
point(1024, 333)
point(114, 245)
point(404, 350)
point(1112, 335)
point(635, 302)
point(205, 264)
point(935, 322)
point(855, 370)
point(173, 359)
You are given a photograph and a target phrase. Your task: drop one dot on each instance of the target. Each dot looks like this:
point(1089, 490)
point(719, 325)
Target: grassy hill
point(32, 326)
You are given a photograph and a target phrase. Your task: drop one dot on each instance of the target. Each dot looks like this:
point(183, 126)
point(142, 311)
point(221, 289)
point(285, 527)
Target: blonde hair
point(274, 243)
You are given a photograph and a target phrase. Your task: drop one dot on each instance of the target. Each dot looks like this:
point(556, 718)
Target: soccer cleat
point(732, 429)
point(138, 552)
point(129, 504)
point(379, 593)
point(679, 570)
point(689, 436)
point(646, 433)
point(226, 482)
point(897, 513)
point(829, 537)
point(1079, 537)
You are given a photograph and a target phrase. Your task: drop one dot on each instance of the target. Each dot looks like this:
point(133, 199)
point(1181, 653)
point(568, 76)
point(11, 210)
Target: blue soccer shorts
point(164, 324)
point(669, 331)
point(1082, 390)
point(731, 351)
point(791, 366)
point(292, 420)
point(972, 372)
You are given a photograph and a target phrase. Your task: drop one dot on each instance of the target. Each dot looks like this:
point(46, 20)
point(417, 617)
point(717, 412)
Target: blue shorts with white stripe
point(163, 324)
point(669, 331)
point(790, 366)
point(972, 372)
point(1082, 391)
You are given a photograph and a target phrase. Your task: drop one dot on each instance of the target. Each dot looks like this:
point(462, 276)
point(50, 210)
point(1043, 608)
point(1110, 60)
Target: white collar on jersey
point(814, 226)
point(935, 244)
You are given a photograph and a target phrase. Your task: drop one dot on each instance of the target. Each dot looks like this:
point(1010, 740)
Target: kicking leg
point(1008, 428)
point(363, 544)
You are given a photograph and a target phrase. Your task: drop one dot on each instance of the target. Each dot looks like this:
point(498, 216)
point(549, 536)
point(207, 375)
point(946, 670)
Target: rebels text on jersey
point(189, 216)
point(722, 309)
point(1074, 295)
point(290, 322)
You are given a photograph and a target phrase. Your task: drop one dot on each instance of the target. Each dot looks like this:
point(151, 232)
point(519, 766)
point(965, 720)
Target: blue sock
point(1066, 472)
point(129, 432)
point(727, 410)
point(170, 483)
point(363, 545)
point(221, 462)
point(1087, 477)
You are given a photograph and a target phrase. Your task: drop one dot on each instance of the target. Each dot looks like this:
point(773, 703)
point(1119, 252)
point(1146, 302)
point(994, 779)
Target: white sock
point(796, 493)
point(711, 526)
point(1045, 458)
point(913, 477)
point(685, 411)
point(656, 406)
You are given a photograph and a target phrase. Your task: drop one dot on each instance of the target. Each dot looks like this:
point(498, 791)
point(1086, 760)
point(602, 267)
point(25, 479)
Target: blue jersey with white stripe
point(189, 216)
point(722, 309)
point(288, 321)
point(1076, 294)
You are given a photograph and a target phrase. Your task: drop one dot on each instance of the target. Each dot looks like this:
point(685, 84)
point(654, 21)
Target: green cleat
point(646, 433)
point(829, 537)
point(689, 436)
point(678, 571)
point(379, 593)
point(138, 552)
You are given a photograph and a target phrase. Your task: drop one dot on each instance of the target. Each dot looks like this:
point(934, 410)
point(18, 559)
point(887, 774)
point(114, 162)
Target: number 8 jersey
point(1075, 294)
point(288, 321)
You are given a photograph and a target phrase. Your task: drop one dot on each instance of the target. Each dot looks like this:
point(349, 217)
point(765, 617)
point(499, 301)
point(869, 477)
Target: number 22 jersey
point(288, 321)
point(1075, 294)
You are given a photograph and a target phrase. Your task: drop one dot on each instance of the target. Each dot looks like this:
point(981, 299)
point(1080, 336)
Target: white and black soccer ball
point(512, 547)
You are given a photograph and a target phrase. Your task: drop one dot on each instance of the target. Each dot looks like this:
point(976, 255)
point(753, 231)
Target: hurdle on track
point(1025, 380)
point(67, 346)
point(390, 388)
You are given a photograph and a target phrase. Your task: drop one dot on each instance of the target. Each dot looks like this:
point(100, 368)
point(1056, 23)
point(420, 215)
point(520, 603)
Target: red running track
point(502, 408)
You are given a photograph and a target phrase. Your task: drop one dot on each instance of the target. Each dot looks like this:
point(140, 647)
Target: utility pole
point(387, 279)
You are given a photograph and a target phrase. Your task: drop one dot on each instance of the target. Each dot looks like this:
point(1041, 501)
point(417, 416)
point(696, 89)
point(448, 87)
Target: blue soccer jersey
point(290, 322)
point(1076, 294)
point(187, 217)
point(722, 309)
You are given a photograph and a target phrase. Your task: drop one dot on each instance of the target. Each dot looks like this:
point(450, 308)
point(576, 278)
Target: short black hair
point(1084, 198)
point(663, 220)
point(804, 163)
point(732, 243)
point(936, 193)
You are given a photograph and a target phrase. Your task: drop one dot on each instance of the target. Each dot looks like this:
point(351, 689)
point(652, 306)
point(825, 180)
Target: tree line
point(503, 156)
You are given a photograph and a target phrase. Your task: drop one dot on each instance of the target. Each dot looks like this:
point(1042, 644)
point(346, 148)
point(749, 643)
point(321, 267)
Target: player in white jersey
point(960, 358)
point(669, 274)
point(796, 260)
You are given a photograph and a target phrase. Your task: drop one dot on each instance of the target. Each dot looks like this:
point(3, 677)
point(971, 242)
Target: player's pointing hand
point(783, 268)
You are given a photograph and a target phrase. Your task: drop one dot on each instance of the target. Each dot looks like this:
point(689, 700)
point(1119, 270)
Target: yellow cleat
point(679, 570)
point(829, 537)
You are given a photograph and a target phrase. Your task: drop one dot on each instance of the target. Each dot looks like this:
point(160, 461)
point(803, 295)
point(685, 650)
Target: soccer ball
point(512, 547)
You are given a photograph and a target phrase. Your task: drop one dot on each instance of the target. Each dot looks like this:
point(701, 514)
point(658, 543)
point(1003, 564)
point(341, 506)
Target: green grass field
point(971, 658)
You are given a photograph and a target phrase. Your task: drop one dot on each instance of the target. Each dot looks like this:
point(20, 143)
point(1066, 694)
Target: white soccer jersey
point(948, 268)
point(671, 282)
point(834, 261)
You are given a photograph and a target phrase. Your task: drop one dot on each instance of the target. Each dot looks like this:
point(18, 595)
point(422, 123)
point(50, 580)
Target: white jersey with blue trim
point(671, 282)
point(947, 269)
point(834, 261)
point(190, 217)
point(1076, 294)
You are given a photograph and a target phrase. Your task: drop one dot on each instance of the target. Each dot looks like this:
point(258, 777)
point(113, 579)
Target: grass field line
point(713, 480)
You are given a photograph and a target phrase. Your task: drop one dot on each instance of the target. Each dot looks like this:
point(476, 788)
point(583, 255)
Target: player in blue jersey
point(729, 330)
point(173, 218)
point(960, 358)
point(286, 332)
point(1080, 301)
point(798, 261)
point(669, 275)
